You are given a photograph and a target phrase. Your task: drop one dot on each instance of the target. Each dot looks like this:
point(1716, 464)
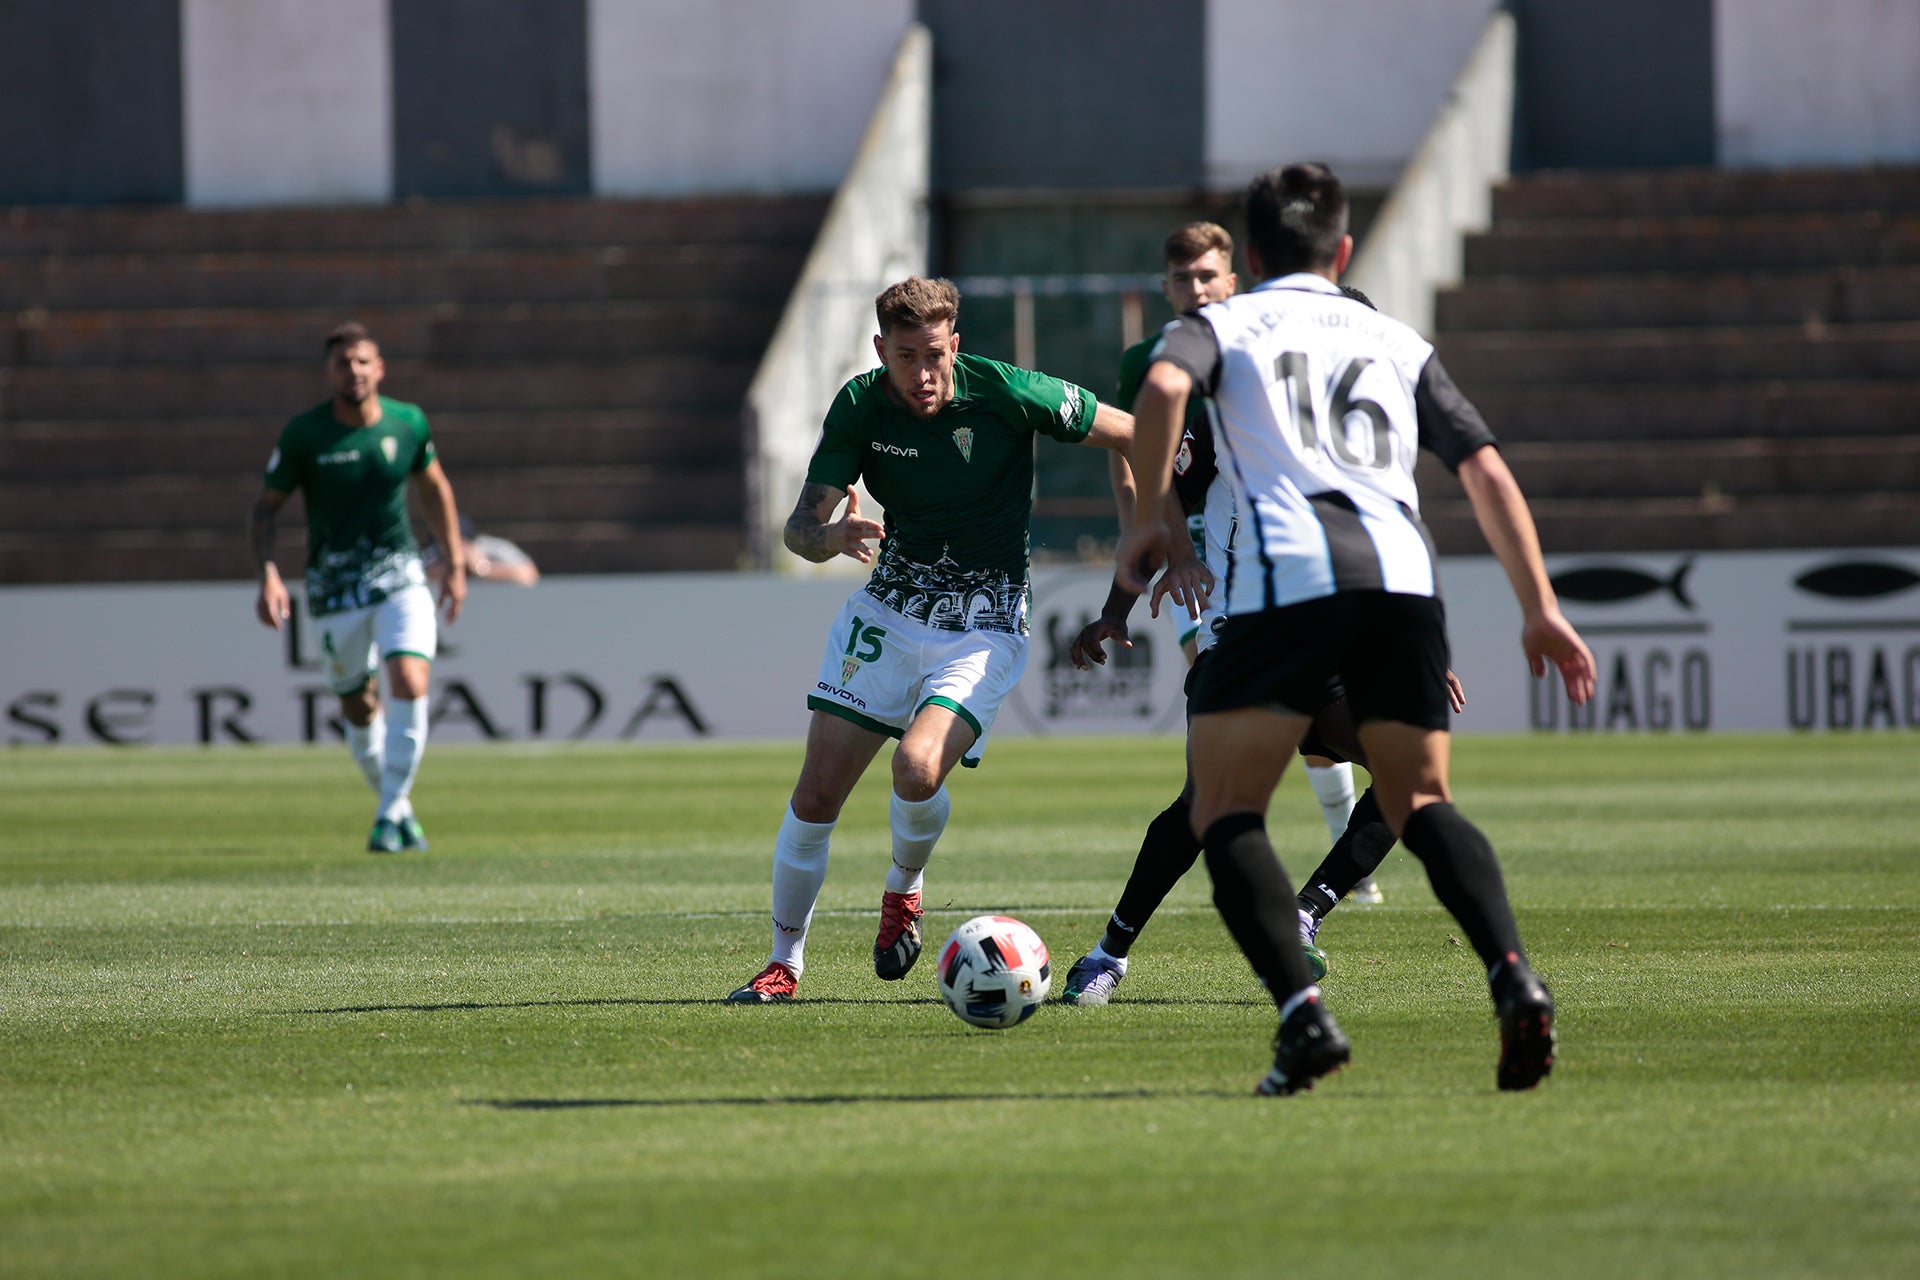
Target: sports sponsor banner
point(1810, 641)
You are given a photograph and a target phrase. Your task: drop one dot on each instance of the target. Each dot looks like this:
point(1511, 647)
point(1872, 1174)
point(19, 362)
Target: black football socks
point(1256, 902)
point(1466, 878)
point(1362, 847)
point(1167, 852)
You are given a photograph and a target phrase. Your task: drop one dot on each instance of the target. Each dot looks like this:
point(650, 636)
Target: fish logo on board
point(1857, 580)
point(1615, 584)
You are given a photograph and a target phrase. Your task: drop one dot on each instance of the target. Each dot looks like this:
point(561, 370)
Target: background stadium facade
point(622, 252)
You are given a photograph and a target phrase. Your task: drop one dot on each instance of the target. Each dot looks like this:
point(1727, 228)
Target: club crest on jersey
point(963, 437)
point(848, 669)
point(390, 447)
point(1183, 459)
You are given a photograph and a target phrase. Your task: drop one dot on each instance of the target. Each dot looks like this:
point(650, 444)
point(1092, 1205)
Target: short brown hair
point(1188, 242)
point(350, 334)
point(916, 303)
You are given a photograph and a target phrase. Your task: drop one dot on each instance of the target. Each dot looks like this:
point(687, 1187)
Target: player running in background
point(926, 651)
point(1170, 848)
point(351, 458)
point(1197, 269)
point(1319, 408)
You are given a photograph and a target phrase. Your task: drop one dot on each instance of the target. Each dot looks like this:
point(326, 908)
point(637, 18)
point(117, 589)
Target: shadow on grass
point(456, 1006)
point(837, 1099)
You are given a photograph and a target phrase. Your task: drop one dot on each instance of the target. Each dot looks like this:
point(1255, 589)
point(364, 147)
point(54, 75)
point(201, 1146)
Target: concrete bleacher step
point(582, 361)
point(1696, 244)
point(275, 391)
point(696, 436)
point(1656, 412)
point(1620, 524)
point(1692, 356)
point(350, 280)
point(210, 555)
point(1695, 359)
point(432, 226)
point(1839, 295)
point(1704, 192)
point(1837, 467)
point(635, 495)
point(446, 332)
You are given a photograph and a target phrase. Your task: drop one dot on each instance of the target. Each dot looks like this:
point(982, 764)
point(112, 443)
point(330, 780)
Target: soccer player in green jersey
point(366, 589)
point(926, 651)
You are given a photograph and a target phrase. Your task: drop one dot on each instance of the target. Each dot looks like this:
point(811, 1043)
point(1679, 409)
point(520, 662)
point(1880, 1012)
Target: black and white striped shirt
point(1320, 405)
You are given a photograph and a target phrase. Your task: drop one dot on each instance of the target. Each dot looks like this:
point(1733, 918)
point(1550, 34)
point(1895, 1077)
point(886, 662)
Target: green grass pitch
point(233, 1045)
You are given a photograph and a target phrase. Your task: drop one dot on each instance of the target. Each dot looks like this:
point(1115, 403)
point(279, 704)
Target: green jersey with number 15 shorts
point(360, 546)
point(943, 618)
point(957, 487)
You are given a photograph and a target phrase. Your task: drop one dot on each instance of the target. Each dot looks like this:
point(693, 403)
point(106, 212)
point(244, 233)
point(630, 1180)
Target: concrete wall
point(875, 234)
point(1614, 84)
point(1817, 82)
point(230, 102)
point(269, 119)
point(1068, 93)
point(89, 102)
point(1353, 85)
point(741, 96)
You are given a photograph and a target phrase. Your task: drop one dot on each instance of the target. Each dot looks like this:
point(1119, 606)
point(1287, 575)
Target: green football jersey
point(360, 546)
point(1133, 368)
point(957, 487)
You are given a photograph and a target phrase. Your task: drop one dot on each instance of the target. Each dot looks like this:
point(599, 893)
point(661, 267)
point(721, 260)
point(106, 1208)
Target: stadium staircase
point(1695, 360)
point(583, 364)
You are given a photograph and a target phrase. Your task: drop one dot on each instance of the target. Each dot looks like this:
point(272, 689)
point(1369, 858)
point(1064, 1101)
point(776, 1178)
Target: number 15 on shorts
point(863, 645)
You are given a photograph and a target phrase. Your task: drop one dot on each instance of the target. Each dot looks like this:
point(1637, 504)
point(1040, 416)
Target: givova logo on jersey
point(1069, 403)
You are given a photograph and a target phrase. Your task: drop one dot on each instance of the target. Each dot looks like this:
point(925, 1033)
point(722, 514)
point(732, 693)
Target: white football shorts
point(354, 642)
point(881, 668)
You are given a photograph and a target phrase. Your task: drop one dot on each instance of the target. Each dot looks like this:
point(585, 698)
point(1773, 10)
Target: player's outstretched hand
point(850, 534)
point(1549, 637)
point(1089, 646)
point(1188, 583)
point(1456, 693)
point(453, 592)
point(1142, 550)
point(272, 606)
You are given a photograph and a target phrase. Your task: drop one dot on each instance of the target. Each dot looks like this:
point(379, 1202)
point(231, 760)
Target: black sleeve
point(1194, 466)
point(1189, 343)
point(1450, 427)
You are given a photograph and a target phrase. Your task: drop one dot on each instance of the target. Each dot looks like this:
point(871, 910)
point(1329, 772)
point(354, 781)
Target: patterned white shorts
point(881, 668)
point(354, 642)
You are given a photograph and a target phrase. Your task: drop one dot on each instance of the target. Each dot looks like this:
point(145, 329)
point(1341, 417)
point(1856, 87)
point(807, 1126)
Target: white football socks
point(799, 869)
point(367, 744)
point(916, 826)
point(406, 743)
point(1334, 787)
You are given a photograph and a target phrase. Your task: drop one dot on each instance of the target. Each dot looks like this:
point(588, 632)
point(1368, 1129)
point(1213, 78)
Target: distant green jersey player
point(926, 651)
point(351, 459)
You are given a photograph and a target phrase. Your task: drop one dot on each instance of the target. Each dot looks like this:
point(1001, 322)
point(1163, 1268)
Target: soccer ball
point(994, 972)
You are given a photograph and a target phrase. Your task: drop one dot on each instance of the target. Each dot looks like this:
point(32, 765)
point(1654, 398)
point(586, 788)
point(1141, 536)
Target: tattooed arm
point(810, 536)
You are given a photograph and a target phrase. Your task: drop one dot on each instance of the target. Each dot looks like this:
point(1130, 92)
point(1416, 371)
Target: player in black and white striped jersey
point(1319, 406)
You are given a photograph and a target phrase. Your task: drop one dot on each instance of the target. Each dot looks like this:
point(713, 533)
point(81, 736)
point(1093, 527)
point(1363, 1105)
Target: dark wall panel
point(90, 107)
point(490, 98)
point(1614, 84)
point(1070, 93)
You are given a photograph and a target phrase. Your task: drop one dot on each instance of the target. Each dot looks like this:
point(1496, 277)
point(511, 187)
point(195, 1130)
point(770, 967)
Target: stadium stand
point(1695, 359)
point(583, 363)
